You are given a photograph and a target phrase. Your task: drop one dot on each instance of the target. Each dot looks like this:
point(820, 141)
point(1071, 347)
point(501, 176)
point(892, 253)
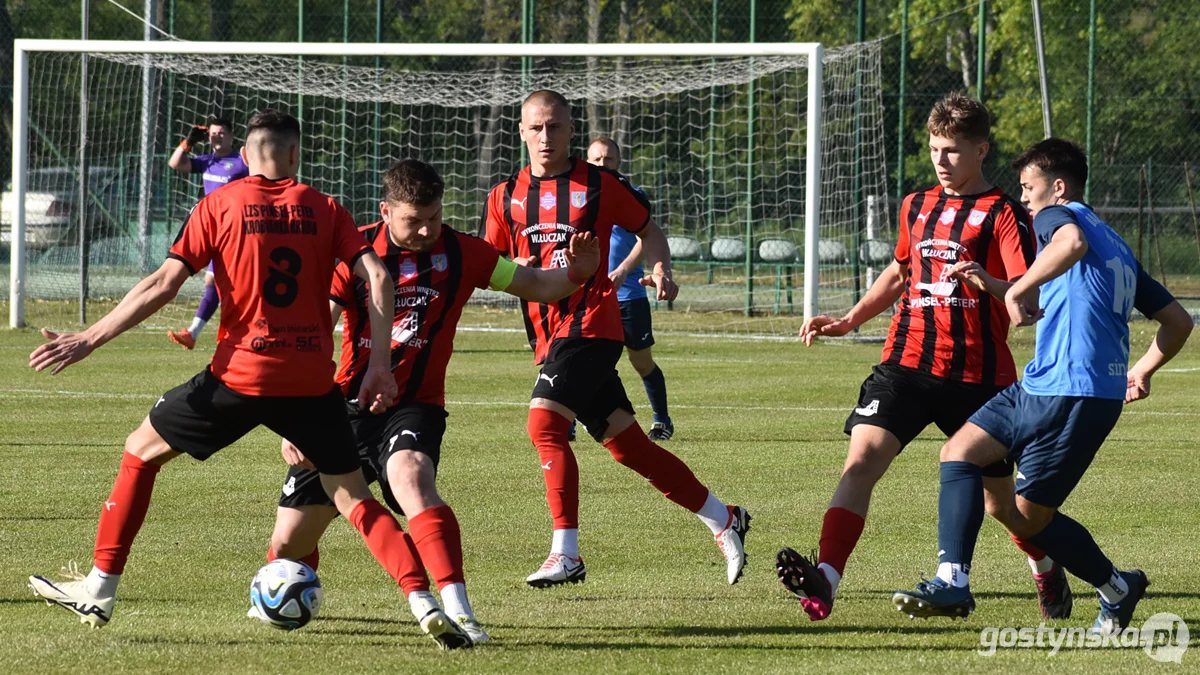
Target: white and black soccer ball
point(286, 594)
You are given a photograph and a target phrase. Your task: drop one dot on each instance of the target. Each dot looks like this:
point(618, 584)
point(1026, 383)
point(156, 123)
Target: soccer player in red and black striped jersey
point(961, 244)
point(274, 243)
point(578, 340)
point(434, 270)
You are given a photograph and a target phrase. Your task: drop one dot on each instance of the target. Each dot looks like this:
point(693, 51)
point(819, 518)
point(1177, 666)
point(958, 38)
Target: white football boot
point(471, 626)
point(732, 542)
point(435, 623)
point(74, 596)
point(558, 569)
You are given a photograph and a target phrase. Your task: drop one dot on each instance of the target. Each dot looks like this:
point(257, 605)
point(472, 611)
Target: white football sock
point(196, 327)
point(566, 542)
point(832, 575)
point(953, 574)
point(454, 599)
point(422, 603)
point(102, 584)
point(1115, 590)
point(714, 514)
point(1041, 566)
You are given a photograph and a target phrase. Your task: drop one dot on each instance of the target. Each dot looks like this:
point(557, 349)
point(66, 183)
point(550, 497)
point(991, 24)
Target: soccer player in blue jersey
point(625, 270)
point(1053, 421)
point(217, 168)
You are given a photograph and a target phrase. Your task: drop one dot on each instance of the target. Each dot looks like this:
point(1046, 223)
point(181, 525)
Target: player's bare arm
point(627, 265)
point(378, 389)
point(1174, 327)
point(142, 301)
point(1066, 247)
point(658, 257)
point(179, 160)
point(884, 293)
point(538, 285)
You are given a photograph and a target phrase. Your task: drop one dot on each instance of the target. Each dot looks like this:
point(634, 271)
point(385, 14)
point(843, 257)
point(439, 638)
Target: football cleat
point(446, 633)
point(1115, 618)
point(183, 338)
point(471, 626)
point(732, 542)
point(74, 596)
point(1054, 593)
point(661, 431)
point(558, 569)
point(935, 598)
point(806, 581)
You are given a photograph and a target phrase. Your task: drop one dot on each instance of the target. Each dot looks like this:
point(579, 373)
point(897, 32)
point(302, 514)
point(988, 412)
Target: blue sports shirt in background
point(1083, 339)
point(620, 245)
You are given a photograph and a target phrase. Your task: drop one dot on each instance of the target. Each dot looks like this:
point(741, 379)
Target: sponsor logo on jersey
point(408, 268)
point(519, 202)
point(947, 216)
point(290, 486)
point(406, 329)
point(977, 217)
point(439, 262)
point(870, 410)
point(548, 201)
point(578, 199)
point(558, 259)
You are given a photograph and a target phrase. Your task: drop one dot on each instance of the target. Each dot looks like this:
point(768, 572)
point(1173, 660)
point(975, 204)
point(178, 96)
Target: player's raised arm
point(142, 301)
point(538, 285)
point(179, 160)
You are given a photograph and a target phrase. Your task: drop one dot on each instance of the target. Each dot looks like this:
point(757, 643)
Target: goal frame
point(22, 48)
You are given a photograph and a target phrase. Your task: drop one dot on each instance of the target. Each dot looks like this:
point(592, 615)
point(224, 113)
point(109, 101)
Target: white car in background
point(51, 198)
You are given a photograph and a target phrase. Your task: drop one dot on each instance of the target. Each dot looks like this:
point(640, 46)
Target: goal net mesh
point(718, 145)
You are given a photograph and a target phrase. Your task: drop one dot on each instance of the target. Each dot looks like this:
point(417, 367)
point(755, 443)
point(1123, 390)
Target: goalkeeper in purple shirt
point(217, 169)
point(625, 270)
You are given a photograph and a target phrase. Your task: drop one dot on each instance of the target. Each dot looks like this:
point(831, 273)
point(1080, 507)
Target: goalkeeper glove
point(196, 135)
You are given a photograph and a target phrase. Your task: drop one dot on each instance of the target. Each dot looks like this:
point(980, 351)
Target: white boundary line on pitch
point(12, 393)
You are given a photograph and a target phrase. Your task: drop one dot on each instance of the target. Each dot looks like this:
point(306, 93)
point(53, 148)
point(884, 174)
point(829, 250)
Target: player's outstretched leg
point(631, 448)
point(549, 430)
point(394, 550)
point(93, 598)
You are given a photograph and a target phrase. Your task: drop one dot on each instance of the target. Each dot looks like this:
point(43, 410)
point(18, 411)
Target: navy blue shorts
point(635, 317)
point(1052, 439)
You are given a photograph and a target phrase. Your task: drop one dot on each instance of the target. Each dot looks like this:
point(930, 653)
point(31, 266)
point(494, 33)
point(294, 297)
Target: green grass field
point(760, 423)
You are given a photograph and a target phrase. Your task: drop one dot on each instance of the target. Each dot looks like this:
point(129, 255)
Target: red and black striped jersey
point(431, 289)
point(943, 327)
point(531, 215)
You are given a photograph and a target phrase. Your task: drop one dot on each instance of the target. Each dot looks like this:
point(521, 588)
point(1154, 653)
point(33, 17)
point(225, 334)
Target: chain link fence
point(1144, 104)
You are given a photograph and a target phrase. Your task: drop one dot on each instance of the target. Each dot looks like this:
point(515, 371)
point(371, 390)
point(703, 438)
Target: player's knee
point(413, 481)
point(1029, 519)
point(145, 444)
point(287, 545)
point(642, 361)
point(863, 472)
point(547, 424)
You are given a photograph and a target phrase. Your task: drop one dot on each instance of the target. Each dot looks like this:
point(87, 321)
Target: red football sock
point(666, 472)
point(1030, 550)
point(312, 559)
point(390, 545)
point(123, 513)
point(549, 432)
point(839, 536)
point(436, 534)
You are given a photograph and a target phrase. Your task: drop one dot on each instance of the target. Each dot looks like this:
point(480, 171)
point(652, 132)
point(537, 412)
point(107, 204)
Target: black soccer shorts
point(639, 328)
point(414, 426)
point(202, 416)
point(581, 374)
point(904, 401)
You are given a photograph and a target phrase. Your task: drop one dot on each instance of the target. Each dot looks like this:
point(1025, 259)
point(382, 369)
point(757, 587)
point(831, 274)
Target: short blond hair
point(958, 114)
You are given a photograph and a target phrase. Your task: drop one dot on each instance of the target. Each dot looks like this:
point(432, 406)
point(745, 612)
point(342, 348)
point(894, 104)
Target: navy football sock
point(1072, 546)
point(960, 512)
point(656, 390)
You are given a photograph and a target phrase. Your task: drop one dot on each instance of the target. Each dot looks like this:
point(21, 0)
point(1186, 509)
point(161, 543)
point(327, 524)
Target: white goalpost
point(763, 161)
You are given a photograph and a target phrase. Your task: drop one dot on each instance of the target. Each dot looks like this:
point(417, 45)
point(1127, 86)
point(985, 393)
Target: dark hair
point(958, 114)
point(608, 142)
point(1057, 158)
point(275, 122)
point(547, 96)
point(221, 120)
point(411, 181)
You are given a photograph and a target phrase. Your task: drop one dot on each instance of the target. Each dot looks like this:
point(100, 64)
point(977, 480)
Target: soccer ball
point(286, 594)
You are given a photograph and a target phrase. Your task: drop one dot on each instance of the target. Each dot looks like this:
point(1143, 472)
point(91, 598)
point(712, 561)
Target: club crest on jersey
point(548, 200)
point(947, 216)
point(977, 217)
point(408, 268)
point(439, 262)
point(578, 198)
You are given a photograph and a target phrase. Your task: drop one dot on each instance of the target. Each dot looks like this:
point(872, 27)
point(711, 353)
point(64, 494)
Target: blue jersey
point(620, 245)
point(217, 171)
point(1083, 338)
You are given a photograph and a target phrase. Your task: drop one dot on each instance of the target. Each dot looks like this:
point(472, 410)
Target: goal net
point(720, 144)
